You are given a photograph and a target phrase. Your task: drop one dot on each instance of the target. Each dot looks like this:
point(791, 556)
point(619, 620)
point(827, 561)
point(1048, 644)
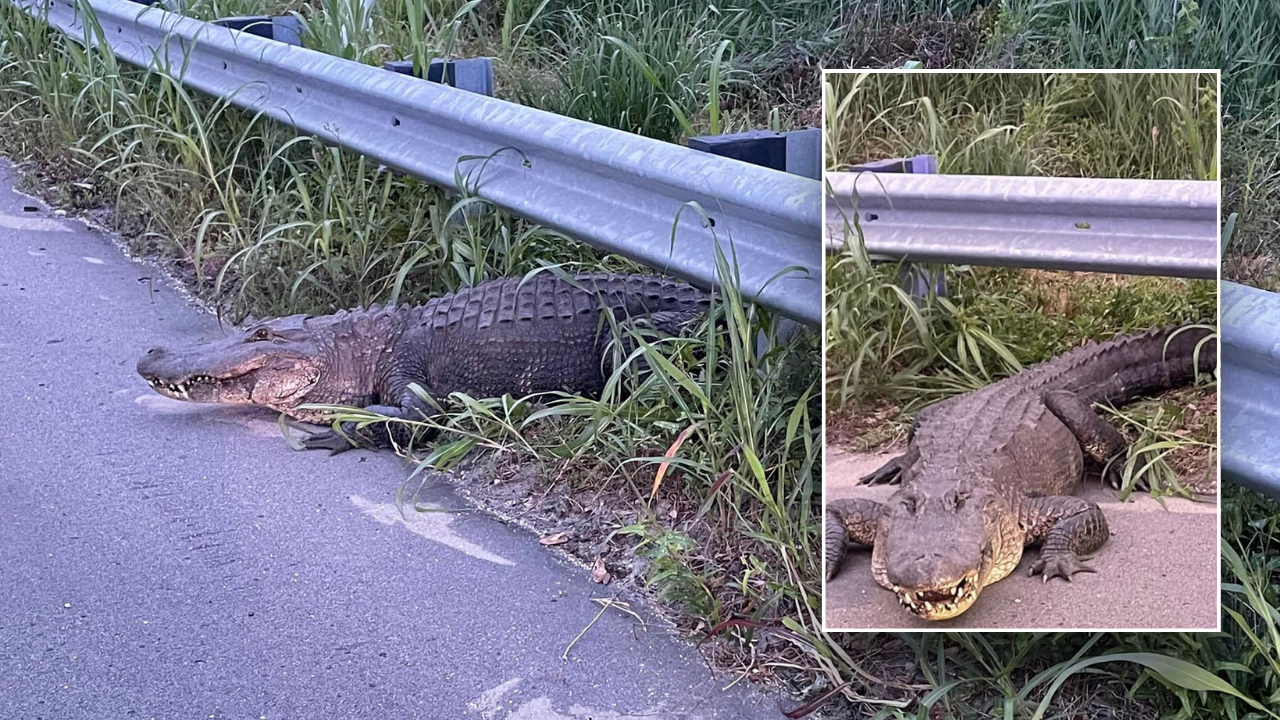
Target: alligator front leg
point(1067, 527)
point(1100, 441)
point(849, 521)
point(372, 435)
point(891, 472)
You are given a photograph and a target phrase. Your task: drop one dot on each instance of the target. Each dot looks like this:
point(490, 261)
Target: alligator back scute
point(1116, 371)
point(537, 334)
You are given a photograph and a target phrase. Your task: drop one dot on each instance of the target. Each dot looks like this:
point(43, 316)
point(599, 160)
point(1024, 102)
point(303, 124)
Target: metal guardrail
point(1250, 387)
point(617, 191)
point(1141, 227)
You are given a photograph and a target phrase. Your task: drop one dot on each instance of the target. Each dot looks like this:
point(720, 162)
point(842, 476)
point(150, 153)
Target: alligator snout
point(150, 363)
point(925, 569)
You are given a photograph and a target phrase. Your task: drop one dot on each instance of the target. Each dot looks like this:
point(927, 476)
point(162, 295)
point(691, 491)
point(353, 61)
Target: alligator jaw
point(198, 388)
point(940, 603)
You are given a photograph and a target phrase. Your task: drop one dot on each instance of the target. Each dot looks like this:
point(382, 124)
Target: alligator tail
point(836, 541)
point(1140, 364)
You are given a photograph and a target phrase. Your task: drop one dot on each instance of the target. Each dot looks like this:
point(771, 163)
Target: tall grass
point(653, 72)
point(882, 342)
point(1240, 37)
point(260, 218)
point(1156, 125)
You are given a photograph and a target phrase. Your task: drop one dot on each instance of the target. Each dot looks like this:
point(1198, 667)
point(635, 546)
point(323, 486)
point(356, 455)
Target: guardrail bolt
point(917, 280)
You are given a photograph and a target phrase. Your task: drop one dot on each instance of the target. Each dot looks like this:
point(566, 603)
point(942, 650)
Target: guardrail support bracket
point(284, 28)
point(470, 74)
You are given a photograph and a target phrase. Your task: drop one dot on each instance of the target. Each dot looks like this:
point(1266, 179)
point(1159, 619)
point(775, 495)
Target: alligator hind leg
point(849, 521)
point(1067, 527)
point(1100, 441)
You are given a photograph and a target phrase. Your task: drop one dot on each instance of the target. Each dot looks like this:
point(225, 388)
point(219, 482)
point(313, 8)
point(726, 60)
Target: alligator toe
point(327, 440)
point(1063, 566)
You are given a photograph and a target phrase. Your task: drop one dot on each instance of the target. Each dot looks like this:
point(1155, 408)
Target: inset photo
point(1021, 350)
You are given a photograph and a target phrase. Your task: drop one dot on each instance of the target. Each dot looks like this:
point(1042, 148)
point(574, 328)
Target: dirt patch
point(931, 41)
point(1255, 271)
point(1195, 413)
point(864, 426)
point(788, 79)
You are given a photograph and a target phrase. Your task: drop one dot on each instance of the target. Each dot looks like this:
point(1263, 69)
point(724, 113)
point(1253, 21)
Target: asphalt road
point(1159, 570)
point(166, 560)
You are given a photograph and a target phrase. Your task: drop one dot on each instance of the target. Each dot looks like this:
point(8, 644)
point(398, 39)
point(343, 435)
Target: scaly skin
point(504, 336)
point(993, 471)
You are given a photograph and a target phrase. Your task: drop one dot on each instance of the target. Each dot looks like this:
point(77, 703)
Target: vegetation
point(884, 343)
point(263, 222)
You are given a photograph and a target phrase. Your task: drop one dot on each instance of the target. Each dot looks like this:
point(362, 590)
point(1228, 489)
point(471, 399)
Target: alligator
point(517, 336)
point(990, 472)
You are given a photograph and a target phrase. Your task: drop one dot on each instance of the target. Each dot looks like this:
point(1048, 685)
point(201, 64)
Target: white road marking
point(543, 709)
point(431, 525)
point(490, 701)
point(93, 260)
point(167, 406)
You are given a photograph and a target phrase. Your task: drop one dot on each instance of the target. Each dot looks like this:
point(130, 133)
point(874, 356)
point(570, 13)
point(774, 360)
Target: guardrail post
point(916, 165)
point(758, 147)
point(470, 74)
point(804, 152)
point(287, 29)
point(259, 25)
point(798, 152)
point(916, 280)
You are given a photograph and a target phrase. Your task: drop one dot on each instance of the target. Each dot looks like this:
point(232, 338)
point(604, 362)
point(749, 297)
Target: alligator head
point(275, 364)
point(936, 551)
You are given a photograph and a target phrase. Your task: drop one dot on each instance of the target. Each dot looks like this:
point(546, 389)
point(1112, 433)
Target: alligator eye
point(262, 334)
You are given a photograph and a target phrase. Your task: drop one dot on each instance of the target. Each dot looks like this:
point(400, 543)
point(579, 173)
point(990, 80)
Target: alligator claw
point(888, 474)
point(1113, 474)
point(1063, 566)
